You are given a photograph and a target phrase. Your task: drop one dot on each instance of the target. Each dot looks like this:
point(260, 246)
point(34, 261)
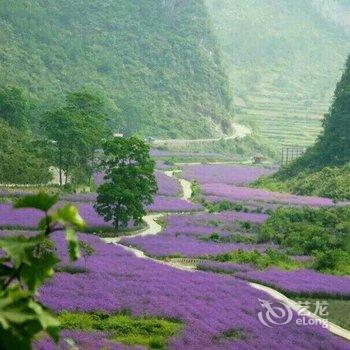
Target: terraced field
point(283, 58)
point(283, 117)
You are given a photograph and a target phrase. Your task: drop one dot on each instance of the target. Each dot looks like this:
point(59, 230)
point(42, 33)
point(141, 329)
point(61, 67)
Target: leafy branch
point(27, 263)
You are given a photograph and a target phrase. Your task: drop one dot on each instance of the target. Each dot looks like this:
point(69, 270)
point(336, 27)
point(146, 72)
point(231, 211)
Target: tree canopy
point(129, 181)
point(14, 107)
point(20, 160)
point(76, 131)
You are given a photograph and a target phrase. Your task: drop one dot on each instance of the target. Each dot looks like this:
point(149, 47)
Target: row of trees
point(67, 137)
point(74, 133)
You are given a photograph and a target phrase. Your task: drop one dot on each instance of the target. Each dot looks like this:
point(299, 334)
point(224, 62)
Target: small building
point(258, 159)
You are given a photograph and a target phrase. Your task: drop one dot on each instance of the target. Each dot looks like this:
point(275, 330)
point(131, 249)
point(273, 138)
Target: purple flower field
point(224, 174)
point(183, 234)
point(301, 282)
point(204, 224)
point(305, 282)
point(229, 268)
point(157, 153)
point(162, 246)
point(167, 186)
point(172, 204)
point(207, 304)
point(29, 218)
point(217, 192)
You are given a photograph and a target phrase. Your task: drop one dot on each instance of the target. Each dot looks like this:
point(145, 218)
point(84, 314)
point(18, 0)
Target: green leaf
point(20, 248)
point(40, 269)
point(46, 319)
point(41, 201)
point(73, 244)
point(22, 318)
point(69, 214)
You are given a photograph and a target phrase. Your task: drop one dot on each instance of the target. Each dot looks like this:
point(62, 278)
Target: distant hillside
point(332, 148)
point(324, 169)
point(285, 57)
point(157, 61)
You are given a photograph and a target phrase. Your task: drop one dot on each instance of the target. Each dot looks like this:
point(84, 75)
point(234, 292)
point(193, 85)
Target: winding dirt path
point(185, 185)
point(153, 228)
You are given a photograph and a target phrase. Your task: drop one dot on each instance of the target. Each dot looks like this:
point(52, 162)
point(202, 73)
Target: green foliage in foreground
point(329, 182)
point(270, 257)
point(338, 309)
point(25, 266)
point(321, 233)
point(150, 332)
point(129, 181)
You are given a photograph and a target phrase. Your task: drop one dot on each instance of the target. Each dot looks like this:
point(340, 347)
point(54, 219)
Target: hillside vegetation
point(284, 57)
point(325, 167)
point(157, 61)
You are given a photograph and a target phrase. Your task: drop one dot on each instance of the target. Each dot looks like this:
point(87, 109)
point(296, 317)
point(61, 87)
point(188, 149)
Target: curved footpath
point(153, 228)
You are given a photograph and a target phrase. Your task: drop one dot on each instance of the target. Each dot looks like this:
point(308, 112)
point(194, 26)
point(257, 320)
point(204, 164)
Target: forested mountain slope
point(157, 61)
point(325, 167)
point(332, 148)
point(285, 57)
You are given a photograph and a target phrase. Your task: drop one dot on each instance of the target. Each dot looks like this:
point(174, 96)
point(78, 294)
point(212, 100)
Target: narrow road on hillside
point(153, 228)
point(240, 131)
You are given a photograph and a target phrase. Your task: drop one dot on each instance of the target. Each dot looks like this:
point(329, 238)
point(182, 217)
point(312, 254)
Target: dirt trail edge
point(333, 328)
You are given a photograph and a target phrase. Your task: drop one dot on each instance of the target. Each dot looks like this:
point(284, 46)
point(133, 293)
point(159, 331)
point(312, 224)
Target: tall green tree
point(66, 135)
point(95, 113)
point(76, 131)
point(129, 181)
point(14, 107)
point(20, 160)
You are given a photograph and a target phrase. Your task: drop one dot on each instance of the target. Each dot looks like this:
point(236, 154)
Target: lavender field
point(224, 174)
point(184, 235)
point(117, 280)
point(210, 302)
point(216, 192)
